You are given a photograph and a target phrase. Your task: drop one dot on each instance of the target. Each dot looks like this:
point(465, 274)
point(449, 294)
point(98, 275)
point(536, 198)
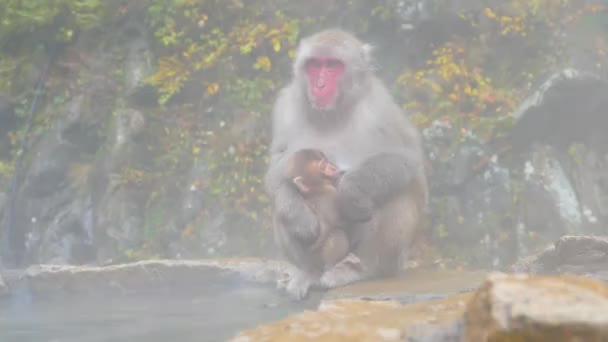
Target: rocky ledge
point(139, 276)
point(566, 303)
point(507, 307)
point(579, 255)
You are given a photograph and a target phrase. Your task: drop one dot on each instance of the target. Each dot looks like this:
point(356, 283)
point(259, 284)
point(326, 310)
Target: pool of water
point(157, 302)
point(215, 312)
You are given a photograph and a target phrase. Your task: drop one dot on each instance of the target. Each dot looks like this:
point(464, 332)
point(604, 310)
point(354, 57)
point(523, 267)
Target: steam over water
point(212, 313)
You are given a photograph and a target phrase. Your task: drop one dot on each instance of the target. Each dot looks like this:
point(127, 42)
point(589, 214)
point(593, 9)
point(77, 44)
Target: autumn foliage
point(217, 66)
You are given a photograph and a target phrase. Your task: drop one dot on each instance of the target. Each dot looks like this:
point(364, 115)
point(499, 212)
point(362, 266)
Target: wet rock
point(53, 202)
point(568, 107)
point(472, 207)
point(360, 320)
point(3, 288)
point(587, 169)
point(144, 276)
point(536, 308)
point(47, 172)
point(130, 123)
point(69, 238)
point(45, 201)
point(138, 63)
point(550, 207)
point(560, 131)
point(415, 286)
point(8, 122)
point(120, 216)
point(491, 209)
point(78, 127)
point(580, 255)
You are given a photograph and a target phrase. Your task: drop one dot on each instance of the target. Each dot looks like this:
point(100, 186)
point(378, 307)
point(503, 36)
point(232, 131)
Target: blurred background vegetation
point(213, 70)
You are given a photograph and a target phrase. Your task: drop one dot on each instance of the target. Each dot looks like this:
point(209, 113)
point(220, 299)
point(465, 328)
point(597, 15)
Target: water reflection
point(215, 313)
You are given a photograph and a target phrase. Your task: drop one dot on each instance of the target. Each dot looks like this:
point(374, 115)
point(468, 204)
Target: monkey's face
point(331, 68)
point(324, 76)
point(327, 169)
point(311, 171)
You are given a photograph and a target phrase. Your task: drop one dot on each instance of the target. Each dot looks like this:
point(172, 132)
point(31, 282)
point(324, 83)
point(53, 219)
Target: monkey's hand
point(352, 203)
point(373, 183)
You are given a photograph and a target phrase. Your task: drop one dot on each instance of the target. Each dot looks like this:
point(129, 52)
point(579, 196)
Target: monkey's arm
point(290, 207)
point(384, 175)
point(376, 181)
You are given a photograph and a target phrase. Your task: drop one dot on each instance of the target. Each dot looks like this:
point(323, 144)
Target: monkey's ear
point(299, 183)
point(302, 50)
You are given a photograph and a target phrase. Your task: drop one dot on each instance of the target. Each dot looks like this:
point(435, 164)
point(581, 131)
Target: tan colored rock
point(360, 320)
point(538, 308)
point(416, 285)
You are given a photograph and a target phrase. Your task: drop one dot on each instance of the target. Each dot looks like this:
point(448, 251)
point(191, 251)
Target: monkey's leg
point(349, 269)
point(335, 247)
point(381, 245)
point(383, 252)
point(305, 267)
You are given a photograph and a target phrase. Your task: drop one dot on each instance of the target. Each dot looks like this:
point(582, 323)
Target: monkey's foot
point(298, 286)
point(347, 271)
point(296, 283)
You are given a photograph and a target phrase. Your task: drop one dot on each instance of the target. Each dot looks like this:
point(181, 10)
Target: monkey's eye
point(334, 64)
point(313, 63)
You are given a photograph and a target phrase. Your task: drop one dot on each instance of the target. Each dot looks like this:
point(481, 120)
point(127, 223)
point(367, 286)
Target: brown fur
point(320, 194)
point(381, 195)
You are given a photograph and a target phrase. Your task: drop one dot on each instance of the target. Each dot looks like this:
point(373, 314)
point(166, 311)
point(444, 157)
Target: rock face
point(3, 287)
point(551, 183)
point(579, 255)
point(533, 308)
point(505, 308)
point(358, 320)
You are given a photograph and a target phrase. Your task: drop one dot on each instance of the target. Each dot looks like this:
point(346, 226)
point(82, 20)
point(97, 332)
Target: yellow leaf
point(488, 12)
point(436, 87)
point(263, 62)
point(213, 88)
point(276, 45)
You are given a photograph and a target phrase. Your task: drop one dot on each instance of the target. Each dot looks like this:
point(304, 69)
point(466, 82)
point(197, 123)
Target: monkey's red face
point(323, 74)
